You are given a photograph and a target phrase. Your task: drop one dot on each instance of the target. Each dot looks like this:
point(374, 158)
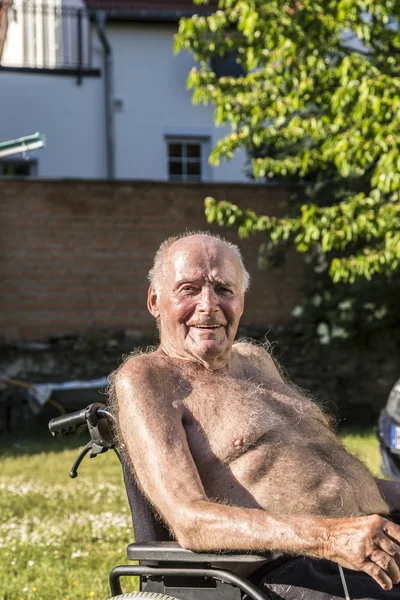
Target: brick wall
point(74, 254)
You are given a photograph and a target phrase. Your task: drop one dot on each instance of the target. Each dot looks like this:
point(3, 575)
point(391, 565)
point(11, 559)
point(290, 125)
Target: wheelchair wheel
point(144, 596)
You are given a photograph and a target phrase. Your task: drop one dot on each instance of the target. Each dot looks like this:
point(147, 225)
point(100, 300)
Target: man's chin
point(207, 349)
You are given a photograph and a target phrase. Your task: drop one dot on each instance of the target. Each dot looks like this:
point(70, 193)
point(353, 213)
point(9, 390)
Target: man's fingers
point(379, 574)
point(392, 530)
point(387, 564)
point(389, 546)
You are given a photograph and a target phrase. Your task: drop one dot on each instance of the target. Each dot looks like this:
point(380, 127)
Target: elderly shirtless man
point(230, 456)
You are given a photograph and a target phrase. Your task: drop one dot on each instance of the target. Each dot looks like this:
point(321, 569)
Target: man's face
point(200, 301)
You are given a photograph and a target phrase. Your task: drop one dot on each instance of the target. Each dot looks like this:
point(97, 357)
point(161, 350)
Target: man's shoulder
point(143, 359)
point(257, 355)
point(252, 349)
point(151, 366)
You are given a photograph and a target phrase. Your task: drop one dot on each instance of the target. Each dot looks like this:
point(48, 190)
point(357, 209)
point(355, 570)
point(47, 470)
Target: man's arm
point(152, 430)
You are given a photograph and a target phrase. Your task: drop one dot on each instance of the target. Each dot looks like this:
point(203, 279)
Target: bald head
point(191, 240)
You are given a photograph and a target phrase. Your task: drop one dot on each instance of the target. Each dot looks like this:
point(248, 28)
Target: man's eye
point(187, 288)
point(224, 290)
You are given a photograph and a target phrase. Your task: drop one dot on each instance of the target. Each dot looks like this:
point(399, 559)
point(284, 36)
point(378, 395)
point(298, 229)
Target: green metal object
point(23, 144)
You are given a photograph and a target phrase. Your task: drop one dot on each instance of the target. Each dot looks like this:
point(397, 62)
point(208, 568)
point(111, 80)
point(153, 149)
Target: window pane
point(193, 150)
point(175, 150)
point(228, 65)
point(175, 168)
point(193, 168)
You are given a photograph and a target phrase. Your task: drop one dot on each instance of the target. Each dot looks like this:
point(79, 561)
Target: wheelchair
point(166, 571)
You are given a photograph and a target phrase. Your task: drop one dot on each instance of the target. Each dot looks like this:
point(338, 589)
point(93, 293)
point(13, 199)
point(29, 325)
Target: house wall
point(74, 255)
point(70, 116)
point(149, 85)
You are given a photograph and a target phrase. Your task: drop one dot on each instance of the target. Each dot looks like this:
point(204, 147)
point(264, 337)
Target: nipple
point(238, 443)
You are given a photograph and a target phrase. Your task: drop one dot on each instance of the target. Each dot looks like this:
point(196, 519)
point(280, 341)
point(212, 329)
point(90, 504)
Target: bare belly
point(296, 475)
point(308, 480)
point(258, 443)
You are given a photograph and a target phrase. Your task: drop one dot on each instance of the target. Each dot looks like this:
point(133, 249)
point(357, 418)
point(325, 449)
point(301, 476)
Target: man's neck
point(217, 363)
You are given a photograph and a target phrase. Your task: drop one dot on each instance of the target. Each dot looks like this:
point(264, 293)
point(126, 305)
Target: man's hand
point(370, 544)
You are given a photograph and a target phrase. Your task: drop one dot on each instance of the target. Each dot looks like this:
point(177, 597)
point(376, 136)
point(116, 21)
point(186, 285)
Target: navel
point(238, 443)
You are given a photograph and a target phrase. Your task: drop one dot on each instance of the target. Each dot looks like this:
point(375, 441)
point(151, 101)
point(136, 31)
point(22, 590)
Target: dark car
point(389, 434)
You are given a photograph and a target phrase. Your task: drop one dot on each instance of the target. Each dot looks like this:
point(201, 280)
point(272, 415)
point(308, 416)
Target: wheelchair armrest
point(171, 552)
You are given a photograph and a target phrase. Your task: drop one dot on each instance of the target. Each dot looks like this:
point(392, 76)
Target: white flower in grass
point(31, 563)
point(79, 553)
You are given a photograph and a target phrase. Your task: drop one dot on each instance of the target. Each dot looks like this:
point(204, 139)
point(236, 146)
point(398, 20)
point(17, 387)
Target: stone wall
point(74, 255)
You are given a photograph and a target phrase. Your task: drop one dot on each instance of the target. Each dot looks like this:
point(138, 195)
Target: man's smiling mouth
point(206, 326)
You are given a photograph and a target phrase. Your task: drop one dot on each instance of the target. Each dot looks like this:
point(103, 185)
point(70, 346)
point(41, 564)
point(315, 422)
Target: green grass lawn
point(60, 537)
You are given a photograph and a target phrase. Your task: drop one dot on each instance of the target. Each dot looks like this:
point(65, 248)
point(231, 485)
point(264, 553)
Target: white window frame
point(187, 137)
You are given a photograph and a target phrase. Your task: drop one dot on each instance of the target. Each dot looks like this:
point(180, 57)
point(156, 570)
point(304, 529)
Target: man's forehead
point(199, 254)
point(195, 242)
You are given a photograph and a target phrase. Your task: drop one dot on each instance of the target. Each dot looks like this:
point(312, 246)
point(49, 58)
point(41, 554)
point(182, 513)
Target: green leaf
point(317, 111)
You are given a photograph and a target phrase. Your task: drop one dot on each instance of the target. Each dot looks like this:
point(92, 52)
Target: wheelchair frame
point(164, 566)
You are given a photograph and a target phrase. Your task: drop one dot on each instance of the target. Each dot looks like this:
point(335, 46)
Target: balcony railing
point(45, 36)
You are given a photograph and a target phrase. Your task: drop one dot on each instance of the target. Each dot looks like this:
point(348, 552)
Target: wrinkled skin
point(207, 425)
point(200, 303)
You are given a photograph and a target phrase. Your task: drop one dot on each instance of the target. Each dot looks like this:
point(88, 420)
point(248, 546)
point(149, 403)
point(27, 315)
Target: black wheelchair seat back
point(145, 525)
point(156, 549)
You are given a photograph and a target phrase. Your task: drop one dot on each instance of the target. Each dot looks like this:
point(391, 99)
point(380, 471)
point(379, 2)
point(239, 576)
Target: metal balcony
point(36, 35)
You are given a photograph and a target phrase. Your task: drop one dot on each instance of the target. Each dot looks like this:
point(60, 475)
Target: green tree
point(317, 107)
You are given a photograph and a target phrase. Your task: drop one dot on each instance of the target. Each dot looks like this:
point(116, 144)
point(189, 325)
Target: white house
point(102, 83)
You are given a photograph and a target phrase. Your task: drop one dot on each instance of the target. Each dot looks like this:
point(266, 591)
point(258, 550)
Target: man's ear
point(152, 302)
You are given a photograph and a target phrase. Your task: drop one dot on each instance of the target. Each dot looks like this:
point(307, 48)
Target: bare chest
point(247, 438)
point(227, 418)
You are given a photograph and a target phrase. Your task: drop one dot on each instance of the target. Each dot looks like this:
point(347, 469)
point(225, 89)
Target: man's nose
point(208, 300)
